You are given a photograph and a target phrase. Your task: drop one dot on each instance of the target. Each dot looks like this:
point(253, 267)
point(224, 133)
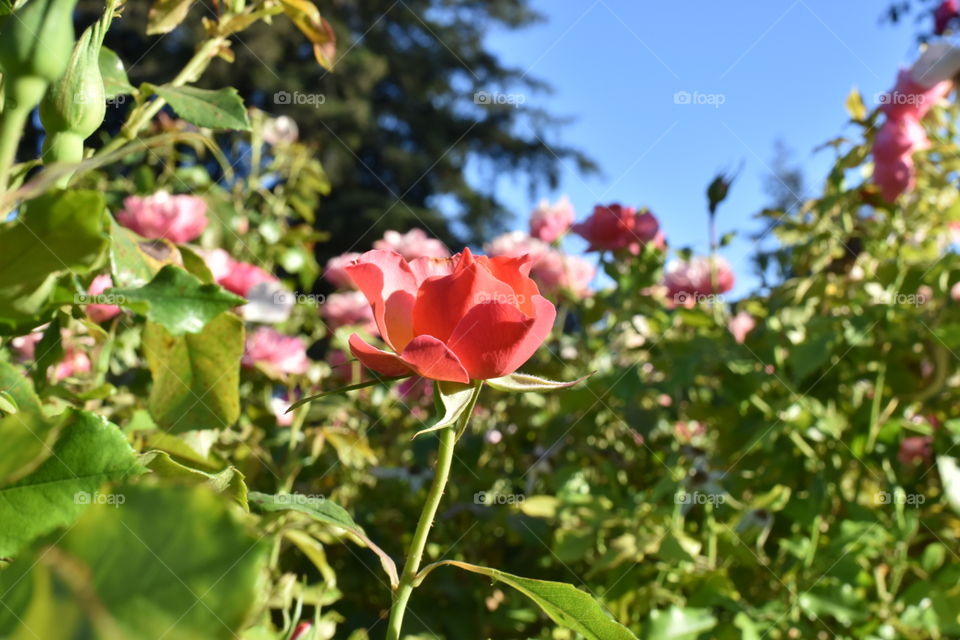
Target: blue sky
point(782, 67)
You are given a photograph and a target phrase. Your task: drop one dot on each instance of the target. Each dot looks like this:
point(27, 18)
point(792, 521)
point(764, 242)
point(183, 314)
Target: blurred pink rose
point(350, 307)
point(243, 276)
point(516, 244)
point(915, 450)
point(277, 353)
point(894, 177)
point(912, 98)
point(550, 221)
point(280, 130)
point(944, 14)
point(179, 218)
point(955, 292)
point(101, 312)
point(300, 632)
point(688, 280)
point(740, 325)
point(899, 136)
point(615, 227)
point(335, 273)
point(556, 272)
point(218, 261)
point(75, 359)
point(412, 244)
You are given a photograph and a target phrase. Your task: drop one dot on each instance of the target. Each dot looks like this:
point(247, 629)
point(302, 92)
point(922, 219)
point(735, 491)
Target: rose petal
point(515, 272)
point(442, 302)
point(494, 339)
point(389, 285)
point(383, 362)
point(432, 359)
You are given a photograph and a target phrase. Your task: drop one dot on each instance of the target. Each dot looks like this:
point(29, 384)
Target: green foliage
point(222, 109)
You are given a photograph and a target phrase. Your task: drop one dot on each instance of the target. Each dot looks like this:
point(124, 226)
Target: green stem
point(145, 112)
point(875, 407)
point(12, 122)
point(448, 438)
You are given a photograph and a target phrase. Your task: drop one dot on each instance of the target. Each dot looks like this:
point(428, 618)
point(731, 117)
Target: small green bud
point(36, 40)
point(76, 103)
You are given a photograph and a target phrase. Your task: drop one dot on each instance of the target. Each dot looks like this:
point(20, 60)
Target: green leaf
point(169, 562)
point(165, 15)
point(678, 623)
point(115, 82)
point(565, 604)
point(855, 106)
point(326, 511)
point(456, 399)
point(220, 109)
point(229, 481)
point(130, 264)
point(57, 232)
point(518, 382)
point(27, 435)
point(196, 377)
point(177, 300)
point(89, 452)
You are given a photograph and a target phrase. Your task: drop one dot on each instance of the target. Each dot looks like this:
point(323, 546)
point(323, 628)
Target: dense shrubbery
point(778, 466)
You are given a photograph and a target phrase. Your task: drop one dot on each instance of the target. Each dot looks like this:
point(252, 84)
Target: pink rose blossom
point(335, 271)
point(899, 136)
point(412, 244)
point(550, 221)
point(280, 130)
point(218, 261)
point(243, 276)
point(350, 307)
point(894, 177)
point(615, 227)
point(911, 96)
point(556, 272)
point(688, 280)
point(75, 361)
point(915, 450)
point(516, 244)
point(955, 292)
point(180, 218)
point(740, 325)
point(101, 312)
point(277, 353)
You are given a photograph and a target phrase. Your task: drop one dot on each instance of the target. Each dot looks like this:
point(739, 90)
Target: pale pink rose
point(687, 431)
point(180, 218)
point(243, 276)
point(898, 137)
point(916, 450)
point(740, 325)
point(550, 221)
point(278, 407)
point(218, 261)
point(556, 272)
point(75, 359)
point(335, 271)
point(277, 353)
point(894, 177)
point(955, 292)
point(516, 244)
point(347, 308)
point(75, 362)
point(412, 244)
point(101, 312)
point(688, 280)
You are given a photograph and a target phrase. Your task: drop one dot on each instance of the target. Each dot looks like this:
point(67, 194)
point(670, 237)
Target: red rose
point(457, 319)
